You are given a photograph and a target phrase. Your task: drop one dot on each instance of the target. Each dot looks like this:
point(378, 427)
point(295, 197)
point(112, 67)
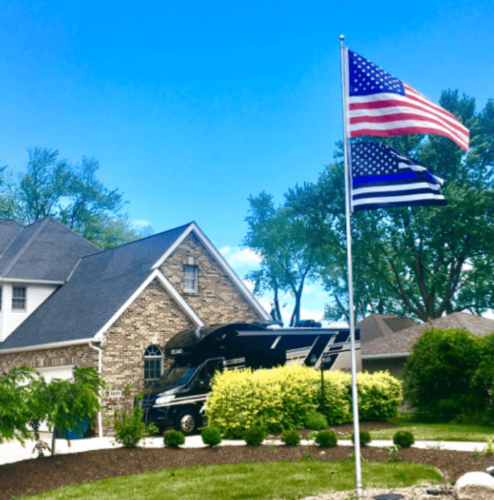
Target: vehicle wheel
point(188, 421)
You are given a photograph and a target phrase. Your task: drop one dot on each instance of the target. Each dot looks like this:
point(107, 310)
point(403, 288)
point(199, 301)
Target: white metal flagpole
point(356, 427)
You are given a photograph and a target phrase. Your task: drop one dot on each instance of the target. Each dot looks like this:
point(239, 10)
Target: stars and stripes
point(382, 177)
point(379, 104)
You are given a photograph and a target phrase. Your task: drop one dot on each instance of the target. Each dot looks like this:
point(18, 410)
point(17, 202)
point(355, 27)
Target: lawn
point(435, 432)
point(287, 480)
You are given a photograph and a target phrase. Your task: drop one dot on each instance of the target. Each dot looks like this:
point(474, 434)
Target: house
point(390, 352)
point(377, 326)
point(111, 309)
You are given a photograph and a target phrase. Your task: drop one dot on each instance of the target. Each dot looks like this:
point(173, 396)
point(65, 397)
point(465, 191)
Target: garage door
point(64, 372)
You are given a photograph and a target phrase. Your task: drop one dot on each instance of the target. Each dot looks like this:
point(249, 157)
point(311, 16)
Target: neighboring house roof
point(46, 250)
point(400, 343)
point(101, 287)
point(8, 230)
point(376, 326)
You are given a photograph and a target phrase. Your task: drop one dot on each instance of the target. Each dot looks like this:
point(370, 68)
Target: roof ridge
point(72, 231)
point(139, 240)
point(12, 219)
point(21, 252)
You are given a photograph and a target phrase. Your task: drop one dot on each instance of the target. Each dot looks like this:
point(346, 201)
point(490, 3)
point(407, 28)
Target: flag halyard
point(378, 104)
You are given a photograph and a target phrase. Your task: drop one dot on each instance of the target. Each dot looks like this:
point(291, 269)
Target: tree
point(53, 187)
point(288, 241)
point(64, 404)
point(419, 261)
point(17, 404)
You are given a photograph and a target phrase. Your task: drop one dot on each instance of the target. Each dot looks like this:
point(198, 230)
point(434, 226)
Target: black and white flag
point(382, 178)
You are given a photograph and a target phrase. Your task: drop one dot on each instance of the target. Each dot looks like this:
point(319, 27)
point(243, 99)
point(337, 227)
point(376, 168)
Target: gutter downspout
point(100, 371)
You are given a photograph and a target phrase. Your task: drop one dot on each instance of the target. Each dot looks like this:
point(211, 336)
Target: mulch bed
point(34, 476)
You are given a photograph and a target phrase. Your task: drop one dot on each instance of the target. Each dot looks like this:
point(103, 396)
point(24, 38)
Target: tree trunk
point(53, 442)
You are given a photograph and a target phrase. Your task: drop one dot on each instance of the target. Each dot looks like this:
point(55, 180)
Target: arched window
point(153, 363)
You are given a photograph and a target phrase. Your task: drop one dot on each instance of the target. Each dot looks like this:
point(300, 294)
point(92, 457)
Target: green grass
point(272, 480)
point(435, 432)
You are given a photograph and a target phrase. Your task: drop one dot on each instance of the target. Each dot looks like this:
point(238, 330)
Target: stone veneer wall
point(81, 356)
point(152, 319)
point(218, 299)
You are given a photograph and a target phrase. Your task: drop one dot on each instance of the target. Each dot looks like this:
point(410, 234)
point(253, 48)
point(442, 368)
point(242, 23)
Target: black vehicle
point(179, 397)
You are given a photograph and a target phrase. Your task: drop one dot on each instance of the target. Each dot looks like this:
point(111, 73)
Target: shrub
point(129, 427)
point(379, 396)
point(254, 436)
point(326, 439)
point(211, 436)
point(174, 439)
point(316, 421)
point(290, 438)
point(365, 438)
point(440, 372)
point(403, 439)
point(282, 398)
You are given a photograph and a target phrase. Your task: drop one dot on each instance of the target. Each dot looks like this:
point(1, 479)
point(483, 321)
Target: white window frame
point(150, 354)
point(1, 297)
point(21, 309)
point(191, 284)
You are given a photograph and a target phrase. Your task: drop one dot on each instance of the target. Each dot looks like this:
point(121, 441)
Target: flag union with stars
point(366, 78)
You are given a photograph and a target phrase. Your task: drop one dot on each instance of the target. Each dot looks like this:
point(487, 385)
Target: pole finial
point(342, 37)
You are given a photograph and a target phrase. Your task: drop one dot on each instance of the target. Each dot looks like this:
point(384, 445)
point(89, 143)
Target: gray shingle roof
point(45, 250)
point(377, 326)
point(8, 230)
point(402, 342)
point(99, 286)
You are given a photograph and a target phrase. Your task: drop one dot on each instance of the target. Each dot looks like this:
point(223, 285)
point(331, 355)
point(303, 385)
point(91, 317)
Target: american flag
point(379, 104)
point(382, 178)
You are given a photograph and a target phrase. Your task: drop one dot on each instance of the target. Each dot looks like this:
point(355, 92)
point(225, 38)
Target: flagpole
point(356, 427)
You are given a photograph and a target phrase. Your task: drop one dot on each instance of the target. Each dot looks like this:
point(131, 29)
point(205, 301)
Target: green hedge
point(282, 398)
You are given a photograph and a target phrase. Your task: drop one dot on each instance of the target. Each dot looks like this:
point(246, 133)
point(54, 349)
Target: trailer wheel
point(188, 421)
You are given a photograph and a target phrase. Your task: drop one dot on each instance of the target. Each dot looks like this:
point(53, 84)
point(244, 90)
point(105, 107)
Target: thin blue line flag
point(382, 178)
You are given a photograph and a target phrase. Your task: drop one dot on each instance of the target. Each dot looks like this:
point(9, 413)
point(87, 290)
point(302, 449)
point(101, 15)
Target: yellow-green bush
point(281, 398)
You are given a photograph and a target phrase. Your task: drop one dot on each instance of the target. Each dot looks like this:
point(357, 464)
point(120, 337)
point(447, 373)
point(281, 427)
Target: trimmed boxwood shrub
point(173, 439)
point(254, 436)
point(211, 436)
point(365, 438)
point(326, 439)
point(316, 421)
point(403, 439)
point(282, 398)
point(290, 438)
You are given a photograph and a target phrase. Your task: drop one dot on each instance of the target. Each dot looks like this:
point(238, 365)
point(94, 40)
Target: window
point(19, 297)
point(153, 363)
point(0, 298)
point(190, 278)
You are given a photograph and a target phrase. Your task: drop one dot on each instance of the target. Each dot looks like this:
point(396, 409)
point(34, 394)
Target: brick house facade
point(141, 301)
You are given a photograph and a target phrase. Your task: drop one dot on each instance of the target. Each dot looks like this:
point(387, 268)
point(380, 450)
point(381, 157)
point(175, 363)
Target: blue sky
point(193, 106)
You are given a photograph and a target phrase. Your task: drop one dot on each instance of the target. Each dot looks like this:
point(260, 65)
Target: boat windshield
point(177, 375)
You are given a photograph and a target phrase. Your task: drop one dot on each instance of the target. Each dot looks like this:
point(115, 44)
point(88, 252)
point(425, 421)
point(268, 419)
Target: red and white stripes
point(388, 114)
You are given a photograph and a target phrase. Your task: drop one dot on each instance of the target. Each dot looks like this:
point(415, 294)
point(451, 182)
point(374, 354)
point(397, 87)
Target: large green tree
point(418, 261)
point(73, 194)
point(289, 239)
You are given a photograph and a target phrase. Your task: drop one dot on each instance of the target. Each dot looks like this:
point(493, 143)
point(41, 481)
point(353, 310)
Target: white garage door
point(64, 372)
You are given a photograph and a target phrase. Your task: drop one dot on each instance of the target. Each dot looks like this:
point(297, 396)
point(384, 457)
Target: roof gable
point(46, 250)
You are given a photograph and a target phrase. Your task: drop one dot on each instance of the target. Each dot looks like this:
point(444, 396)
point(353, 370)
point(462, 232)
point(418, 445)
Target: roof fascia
point(31, 281)
point(222, 263)
point(174, 246)
point(41, 347)
point(386, 356)
point(168, 286)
